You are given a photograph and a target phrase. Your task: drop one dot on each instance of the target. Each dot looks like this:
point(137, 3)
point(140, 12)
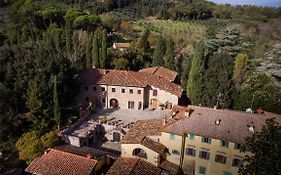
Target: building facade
point(129, 90)
point(201, 140)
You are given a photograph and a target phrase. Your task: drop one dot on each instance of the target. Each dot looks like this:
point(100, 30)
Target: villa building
point(197, 140)
point(148, 88)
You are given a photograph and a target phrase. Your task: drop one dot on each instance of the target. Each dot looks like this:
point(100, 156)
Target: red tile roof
point(234, 125)
point(140, 132)
point(161, 72)
point(56, 162)
point(133, 166)
point(121, 45)
point(128, 79)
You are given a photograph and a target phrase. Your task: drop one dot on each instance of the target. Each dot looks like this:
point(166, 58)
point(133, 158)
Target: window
point(206, 140)
point(131, 104)
point(103, 89)
point(191, 137)
point(202, 170)
point(94, 88)
point(113, 89)
point(103, 100)
point(154, 92)
point(190, 151)
point(227, 173)
point(237, 162)
point(139, 91)
point(172, 137)
point(204, 155)
point(86, 88)
point(237, 146)
point(175, 152)
point(131, 91)
point(220, 159)
point(122, 90)
point(224, 143)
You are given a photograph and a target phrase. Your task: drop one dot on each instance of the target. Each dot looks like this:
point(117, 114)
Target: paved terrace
point(128, 116)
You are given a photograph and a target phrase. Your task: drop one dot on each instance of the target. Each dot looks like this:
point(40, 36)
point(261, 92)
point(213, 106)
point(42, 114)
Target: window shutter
point(202, 139)
point(208, 156)
point(224, 160)
point(194, 152)
point(209, 141)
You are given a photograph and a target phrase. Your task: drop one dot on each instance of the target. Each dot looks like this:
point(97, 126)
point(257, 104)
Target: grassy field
point(190, 32)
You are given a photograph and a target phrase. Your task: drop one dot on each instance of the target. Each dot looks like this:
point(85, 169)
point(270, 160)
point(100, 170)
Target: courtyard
point(127, 116)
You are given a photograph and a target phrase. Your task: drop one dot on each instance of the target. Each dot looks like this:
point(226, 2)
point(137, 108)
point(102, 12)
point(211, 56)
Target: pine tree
point(195, 87)
point(158, 54)
point(103, 50)
point(170, 55)
point(57, 109)
point(88, 51)
point(95, 52)
point(218, 80)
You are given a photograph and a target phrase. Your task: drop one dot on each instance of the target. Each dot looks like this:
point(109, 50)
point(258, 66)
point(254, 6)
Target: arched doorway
point(113, 103)
point(140, 153)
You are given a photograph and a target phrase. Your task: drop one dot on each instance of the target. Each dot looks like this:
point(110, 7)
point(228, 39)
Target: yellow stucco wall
point(152, 156)
point(212, 167)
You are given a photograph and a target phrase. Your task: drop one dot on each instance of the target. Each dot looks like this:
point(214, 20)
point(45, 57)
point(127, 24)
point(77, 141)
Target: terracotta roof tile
point(140, 132)
point(234, 125)
point(161, 72)
point(143, 128)
point(151, 144)
point(57, 162)
point(121, 45)
point(128, 79)
point(133, 166)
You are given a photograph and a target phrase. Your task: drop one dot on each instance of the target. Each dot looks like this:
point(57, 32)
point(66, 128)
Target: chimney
point(218, 122)
point(94, 65)
point(187, 113)
point(215, 107)
point(164, 120)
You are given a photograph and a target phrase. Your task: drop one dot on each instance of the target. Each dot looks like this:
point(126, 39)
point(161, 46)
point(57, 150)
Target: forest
point(226, 56)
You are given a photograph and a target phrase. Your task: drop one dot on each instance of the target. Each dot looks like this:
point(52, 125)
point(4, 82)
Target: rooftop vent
point(252, 129)
point(218, 122)
point(249, 110)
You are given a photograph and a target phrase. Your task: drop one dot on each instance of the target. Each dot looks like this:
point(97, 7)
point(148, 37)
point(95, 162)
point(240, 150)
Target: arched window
point(140, 153)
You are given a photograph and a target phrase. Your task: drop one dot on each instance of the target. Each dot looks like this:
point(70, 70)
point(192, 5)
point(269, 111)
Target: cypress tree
point(103, 50)
point(170, 55)
point(158, 53)
point(195, 85)
point(95, 52)
point(68, 38)
point(57, 109)
point(88, 51)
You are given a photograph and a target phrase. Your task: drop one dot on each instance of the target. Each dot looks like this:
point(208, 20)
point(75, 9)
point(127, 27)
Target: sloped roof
point(56, 162)
point(233, 127)
point(142, 128)
point(133, 166)
point(140, 132)
point(128, 79)
point(121, 45)
point(161, 72)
